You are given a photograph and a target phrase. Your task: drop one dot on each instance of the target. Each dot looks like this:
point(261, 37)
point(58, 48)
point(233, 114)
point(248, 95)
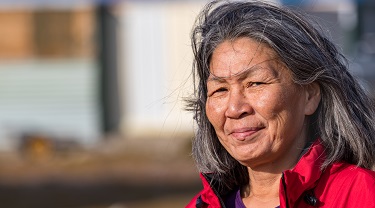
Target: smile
point(243, 133)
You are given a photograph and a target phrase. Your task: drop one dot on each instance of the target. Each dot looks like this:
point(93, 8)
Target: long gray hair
point(344, 120)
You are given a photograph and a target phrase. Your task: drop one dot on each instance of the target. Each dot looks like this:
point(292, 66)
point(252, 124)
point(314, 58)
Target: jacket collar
point(209, 194)
point(295, 182)
point(304, 176)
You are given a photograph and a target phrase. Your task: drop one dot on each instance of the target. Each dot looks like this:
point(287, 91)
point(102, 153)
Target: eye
point(222, 89)
point(217, 91)
point(254, 84)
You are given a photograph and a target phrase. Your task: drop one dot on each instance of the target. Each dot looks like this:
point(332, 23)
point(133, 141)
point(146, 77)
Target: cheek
point(215, 113)
point(269, 103)
point(266, 100)
point(285, 114)
point(276, 105)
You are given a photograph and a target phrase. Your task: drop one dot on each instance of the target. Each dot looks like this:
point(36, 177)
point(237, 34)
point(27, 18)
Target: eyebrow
point(242, 74)
point(246, 72)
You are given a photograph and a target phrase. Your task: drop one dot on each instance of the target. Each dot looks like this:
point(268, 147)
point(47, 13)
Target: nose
point(238, 105)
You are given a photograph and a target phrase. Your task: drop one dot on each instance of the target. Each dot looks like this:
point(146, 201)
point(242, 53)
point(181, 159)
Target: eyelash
point(250, 84)
point(222, 89)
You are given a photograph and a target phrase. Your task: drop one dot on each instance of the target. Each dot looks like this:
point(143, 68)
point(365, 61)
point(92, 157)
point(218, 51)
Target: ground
point(118, 173)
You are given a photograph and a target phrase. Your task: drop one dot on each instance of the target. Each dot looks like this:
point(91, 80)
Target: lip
point(242, 133)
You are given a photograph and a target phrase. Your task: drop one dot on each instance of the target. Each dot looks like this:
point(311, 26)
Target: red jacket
point(339, 185)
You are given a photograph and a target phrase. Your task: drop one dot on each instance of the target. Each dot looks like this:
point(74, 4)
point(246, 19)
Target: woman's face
point(258, 113)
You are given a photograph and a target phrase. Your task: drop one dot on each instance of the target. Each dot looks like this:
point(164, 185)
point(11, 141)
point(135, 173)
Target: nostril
point(244, 114)
point(239, 110)
point(238, 105)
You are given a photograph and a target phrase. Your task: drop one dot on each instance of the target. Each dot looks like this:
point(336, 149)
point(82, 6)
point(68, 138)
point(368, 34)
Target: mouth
point(242, 134)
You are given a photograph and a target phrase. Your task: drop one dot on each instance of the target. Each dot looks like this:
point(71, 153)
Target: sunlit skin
point(258, 112)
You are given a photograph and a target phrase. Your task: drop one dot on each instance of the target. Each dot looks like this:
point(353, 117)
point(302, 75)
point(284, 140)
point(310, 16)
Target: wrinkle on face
point(256, 109)
point(232, 56)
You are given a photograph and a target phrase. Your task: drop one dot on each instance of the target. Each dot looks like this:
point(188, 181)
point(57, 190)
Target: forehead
point(239, 56)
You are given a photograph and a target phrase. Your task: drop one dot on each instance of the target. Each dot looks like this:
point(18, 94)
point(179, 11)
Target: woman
point(280, 120)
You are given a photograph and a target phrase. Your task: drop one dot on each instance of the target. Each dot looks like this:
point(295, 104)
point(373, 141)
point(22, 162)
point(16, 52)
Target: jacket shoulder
point(351, 173)
point(346, 185)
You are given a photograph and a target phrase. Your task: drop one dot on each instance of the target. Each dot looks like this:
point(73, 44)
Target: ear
point(312, 98)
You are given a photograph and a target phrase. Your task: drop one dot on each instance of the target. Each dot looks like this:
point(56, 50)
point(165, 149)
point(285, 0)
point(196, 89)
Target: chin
point(244, 160)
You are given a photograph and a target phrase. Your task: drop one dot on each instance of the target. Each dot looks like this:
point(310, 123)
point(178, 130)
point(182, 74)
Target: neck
point(262, 184)
point(264, 179)
point(263, 190)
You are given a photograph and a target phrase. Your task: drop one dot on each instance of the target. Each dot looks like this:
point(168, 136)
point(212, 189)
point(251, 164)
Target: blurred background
point(91, 97)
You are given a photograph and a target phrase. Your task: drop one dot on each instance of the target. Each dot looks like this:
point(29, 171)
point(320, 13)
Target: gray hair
point(344, 120)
